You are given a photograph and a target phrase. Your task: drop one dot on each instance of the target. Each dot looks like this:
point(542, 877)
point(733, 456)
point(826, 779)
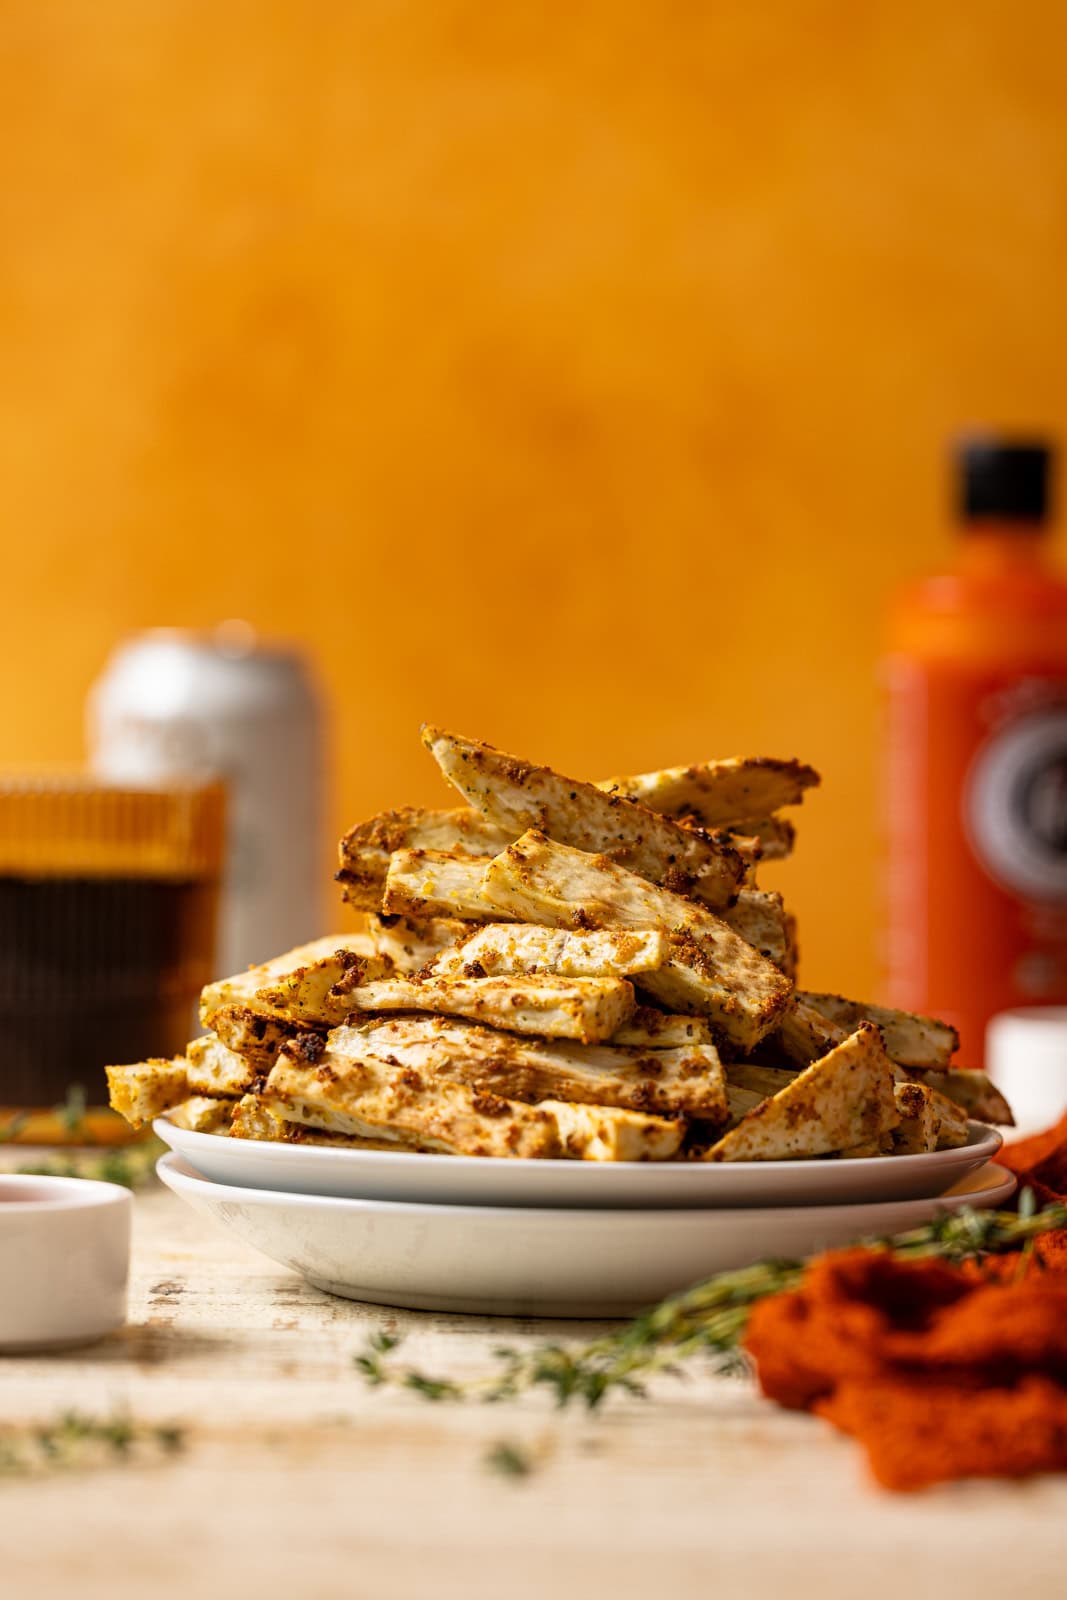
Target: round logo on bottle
point(1015, 805)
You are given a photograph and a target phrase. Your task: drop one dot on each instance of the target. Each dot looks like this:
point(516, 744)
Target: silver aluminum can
point(172, 704)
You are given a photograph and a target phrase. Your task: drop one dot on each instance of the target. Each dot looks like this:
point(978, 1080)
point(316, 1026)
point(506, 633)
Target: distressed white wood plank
point(297, 1480)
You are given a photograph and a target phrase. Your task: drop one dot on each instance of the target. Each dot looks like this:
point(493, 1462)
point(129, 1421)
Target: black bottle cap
point(1003, 480)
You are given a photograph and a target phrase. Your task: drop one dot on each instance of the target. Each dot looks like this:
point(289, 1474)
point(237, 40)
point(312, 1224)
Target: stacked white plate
point(553, 1238)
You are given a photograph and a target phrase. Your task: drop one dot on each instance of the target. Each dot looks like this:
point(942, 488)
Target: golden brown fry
point(911, 1040)
point(842, 1100)
point(719, 793)
point(213, 1069)
point(589, 1009)
point(504, 948)
point(365, 850)
point(652, 1029)
point(252, 1120)
point(683, 1080)
point(411, 945)
point(764, 838)
point(518, 795)
point(712, 971)
point(292, 984)
point(759, 918)
point(251, 1034)
point(146, 1089)
point(969, 1089)
point(805, 1034)
point(202, 1114)
point(603, 1133)
point(343, 1094)
point(431, 883)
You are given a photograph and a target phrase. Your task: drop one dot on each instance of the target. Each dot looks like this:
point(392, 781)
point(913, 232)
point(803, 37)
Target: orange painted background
point(575, 375)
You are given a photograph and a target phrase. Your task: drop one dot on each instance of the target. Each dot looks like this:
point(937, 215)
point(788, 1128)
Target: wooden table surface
point(298, 1480)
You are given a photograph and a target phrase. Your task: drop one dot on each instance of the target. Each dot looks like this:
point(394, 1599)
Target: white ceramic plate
point(517, 1261)
point(494, 1181)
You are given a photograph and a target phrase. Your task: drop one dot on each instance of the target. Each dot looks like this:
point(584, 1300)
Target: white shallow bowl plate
point(517, 1261)
point(494, 1181)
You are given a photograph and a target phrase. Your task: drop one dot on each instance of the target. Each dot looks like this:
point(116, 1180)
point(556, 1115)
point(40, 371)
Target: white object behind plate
point(1026, 1057)
point(515, 1261)
point(496, 1181)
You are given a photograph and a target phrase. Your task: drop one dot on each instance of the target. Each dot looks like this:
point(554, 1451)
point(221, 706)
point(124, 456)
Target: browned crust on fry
point(366, 848)
point(520, 794)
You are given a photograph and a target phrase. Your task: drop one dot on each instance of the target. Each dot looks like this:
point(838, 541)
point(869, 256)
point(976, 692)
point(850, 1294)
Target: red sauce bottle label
point(977, 830)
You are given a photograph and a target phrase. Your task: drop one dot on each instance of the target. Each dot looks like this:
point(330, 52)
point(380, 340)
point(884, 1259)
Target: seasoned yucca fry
point(589, 1009)
point(764, 1080)
point(719, 793)
point(288, 973)
point(967, 1088)
point(920, 1124)
point(253, 1035)
point(202, 1114)
point(911, 1040)
point(759, 918)
point(146, 1089)
point(792, 950)
point(252, 1120)
point(318, 993)
point(411, 945)
point(602, 1133)
point(712, 971)
point(213, 1069)
point(842, 1100)
point(652, 1029)
point(505, 948)
point(687, 1081)
point(767, 838)
point(431, 883)
point(365, 849)
point(518, 795)
point(805, 1034)
point(342, 1094)
point(928, 1121)
point(954, 1131)
point(882, 1146)
point(740, 1102)
point(489, 1009)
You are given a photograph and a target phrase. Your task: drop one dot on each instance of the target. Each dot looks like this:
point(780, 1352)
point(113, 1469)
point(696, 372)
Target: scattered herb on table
point(75, 1440)
point(508, 1460)
point(707, 1320)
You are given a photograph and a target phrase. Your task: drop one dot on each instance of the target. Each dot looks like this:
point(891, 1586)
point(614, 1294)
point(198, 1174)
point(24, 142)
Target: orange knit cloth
point(940, 1372)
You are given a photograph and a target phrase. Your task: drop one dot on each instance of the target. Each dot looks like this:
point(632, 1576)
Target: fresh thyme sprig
point(708, 1320)
point(11, 1129)
point(74, 1440)
point(71, 1113)
point(133, 1166)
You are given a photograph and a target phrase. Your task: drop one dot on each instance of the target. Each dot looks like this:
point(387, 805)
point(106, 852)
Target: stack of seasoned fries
point(566, 970)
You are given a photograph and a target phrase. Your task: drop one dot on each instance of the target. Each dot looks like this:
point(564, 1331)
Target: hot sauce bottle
point(976, 685)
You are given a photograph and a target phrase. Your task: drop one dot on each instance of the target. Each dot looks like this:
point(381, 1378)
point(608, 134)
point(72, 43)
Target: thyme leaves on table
point(76, 1440)
point(508, 1460)
point(707, 1320)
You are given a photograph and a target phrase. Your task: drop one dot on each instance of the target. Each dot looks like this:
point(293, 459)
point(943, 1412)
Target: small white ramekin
point(1026, 1057)
point(64, 1261)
